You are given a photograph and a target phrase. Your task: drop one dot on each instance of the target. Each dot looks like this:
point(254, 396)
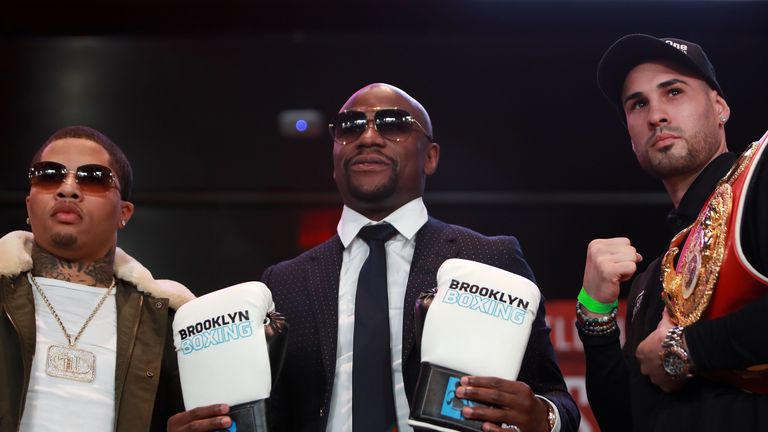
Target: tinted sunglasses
point(91, 178)
point(394, 124)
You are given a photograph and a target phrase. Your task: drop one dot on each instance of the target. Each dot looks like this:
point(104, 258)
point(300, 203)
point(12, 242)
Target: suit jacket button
point(159, 305)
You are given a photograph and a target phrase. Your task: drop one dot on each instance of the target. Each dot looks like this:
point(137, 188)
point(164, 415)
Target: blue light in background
point(303, 124)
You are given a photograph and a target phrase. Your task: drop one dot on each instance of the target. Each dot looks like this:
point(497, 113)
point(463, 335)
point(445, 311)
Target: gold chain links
point(71, 341)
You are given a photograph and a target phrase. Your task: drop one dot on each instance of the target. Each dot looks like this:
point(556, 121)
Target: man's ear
point(432, 153)
point(723, 110)
point(126, 211)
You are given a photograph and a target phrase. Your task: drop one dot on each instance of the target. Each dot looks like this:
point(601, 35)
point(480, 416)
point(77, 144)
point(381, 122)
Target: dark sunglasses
point(91, 178)
point(394, 124)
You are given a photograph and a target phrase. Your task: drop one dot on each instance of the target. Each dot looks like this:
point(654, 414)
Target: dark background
point(192, 90)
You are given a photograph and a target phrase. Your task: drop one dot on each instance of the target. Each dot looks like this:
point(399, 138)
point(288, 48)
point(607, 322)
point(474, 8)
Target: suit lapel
point(324, 276)
point(435, 243)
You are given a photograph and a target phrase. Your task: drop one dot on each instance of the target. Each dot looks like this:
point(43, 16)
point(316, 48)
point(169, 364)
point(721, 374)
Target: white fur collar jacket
point(16, 257)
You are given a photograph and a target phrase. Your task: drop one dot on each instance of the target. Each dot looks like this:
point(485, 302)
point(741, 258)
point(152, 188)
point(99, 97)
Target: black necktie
point(373, 403)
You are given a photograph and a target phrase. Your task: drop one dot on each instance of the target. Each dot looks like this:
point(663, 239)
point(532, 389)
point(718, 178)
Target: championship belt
point(689, 285)
point(710, 257)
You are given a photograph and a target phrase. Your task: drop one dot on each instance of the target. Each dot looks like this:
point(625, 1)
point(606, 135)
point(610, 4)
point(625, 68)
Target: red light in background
point(317, 226)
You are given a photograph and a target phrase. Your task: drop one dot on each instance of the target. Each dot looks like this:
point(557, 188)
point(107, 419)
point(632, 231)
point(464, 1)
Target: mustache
point(367, 152)
point(660, 130)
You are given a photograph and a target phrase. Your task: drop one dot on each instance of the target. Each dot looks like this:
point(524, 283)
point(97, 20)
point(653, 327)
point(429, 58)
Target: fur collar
point(16, 257)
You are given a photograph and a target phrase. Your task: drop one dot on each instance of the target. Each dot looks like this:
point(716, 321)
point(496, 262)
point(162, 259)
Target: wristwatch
point(674, 358)
point(551, 416)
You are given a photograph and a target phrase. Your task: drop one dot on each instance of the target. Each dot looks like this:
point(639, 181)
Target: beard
point(692, 155)
point(63, 240)
point(375, 193)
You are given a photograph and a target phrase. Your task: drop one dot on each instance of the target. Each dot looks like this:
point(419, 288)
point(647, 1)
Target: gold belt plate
point(687, 292)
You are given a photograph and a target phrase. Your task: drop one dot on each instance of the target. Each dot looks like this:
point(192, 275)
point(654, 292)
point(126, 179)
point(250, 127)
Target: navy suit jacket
point(306, 290)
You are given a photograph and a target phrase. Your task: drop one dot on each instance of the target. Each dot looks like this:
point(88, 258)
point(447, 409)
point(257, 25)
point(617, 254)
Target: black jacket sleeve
point(607, 368)
point(539, 369)
point(607, 381)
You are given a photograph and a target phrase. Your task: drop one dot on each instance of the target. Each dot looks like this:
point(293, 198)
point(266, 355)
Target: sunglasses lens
point(393, 124)
point(94, 178)
point(47, 174)
point(90, 178)
point(349, 125)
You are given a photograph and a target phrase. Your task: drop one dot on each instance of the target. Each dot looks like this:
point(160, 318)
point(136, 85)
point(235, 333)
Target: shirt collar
point(696, 195)
point(408, 220)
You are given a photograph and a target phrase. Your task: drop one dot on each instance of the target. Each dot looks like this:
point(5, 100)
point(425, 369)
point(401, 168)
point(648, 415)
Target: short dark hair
point(116, 156)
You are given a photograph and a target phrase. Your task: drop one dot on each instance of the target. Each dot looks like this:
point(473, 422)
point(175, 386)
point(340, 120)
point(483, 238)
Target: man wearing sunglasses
point(84, 328)
point(696, 351)
point(383, 151)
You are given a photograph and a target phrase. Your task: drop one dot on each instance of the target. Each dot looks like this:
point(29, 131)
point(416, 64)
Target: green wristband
point(593, 305)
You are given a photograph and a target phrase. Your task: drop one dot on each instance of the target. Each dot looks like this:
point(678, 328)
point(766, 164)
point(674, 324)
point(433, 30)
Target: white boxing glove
point(221, 346)
point(480, 319)
point(478, 323)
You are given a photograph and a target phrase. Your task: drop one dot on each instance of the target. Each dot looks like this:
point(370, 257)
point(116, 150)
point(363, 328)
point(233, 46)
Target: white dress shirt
point(408, 219)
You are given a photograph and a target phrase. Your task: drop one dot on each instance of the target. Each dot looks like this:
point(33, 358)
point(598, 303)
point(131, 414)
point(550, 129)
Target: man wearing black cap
point(695, 356)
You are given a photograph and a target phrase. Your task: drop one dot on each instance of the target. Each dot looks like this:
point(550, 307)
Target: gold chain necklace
point(68, 361)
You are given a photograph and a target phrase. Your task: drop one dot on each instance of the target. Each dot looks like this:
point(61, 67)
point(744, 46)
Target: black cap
point(634, 49)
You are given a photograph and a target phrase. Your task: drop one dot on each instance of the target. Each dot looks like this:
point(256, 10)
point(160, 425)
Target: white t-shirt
point(58, 404)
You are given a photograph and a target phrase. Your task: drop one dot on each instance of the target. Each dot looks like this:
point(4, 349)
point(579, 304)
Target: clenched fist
point(609, 262)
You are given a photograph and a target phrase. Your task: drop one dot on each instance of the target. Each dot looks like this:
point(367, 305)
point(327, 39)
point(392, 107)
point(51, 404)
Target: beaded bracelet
point(583, 317)
point(595, 326)
point(597, 332)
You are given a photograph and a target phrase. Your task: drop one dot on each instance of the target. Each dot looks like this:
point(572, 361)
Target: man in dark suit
point(383, 151)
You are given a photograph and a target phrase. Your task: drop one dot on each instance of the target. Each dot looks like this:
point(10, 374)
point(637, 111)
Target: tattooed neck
point(95, 273)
